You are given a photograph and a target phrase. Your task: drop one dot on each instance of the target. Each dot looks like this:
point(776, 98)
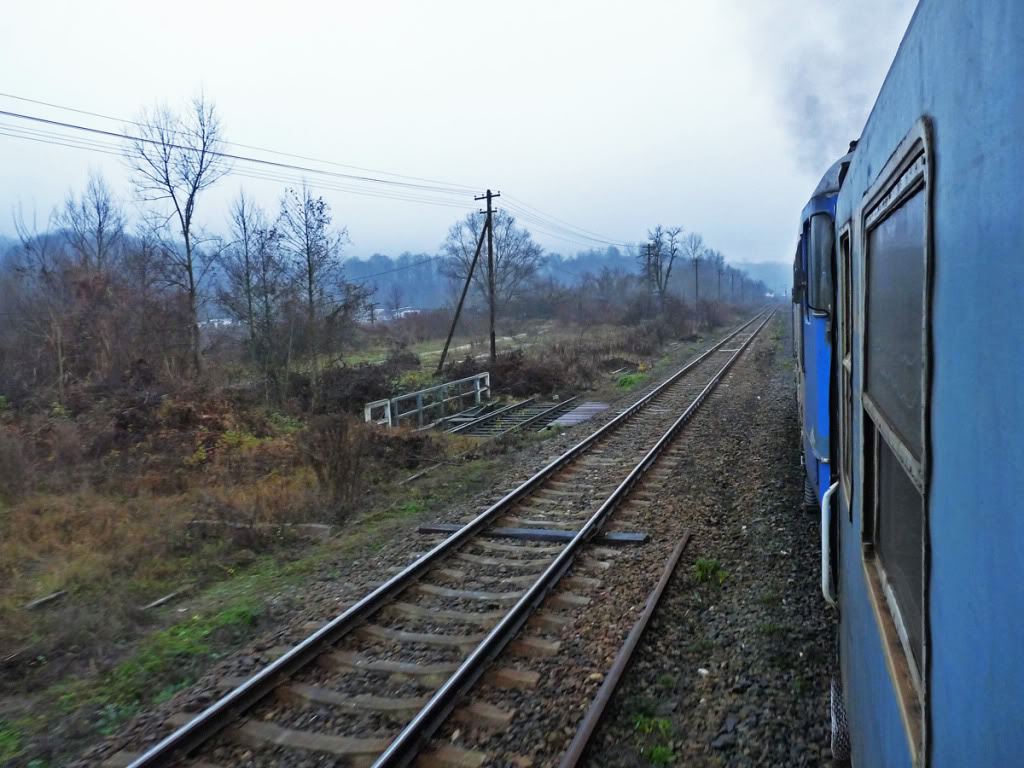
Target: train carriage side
point(813, 299)
point(931, 405)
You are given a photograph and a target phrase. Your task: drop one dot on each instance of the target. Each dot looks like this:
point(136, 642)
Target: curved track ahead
point(427, 634)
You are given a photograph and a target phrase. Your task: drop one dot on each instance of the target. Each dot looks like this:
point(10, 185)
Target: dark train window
point(898, 542)
point(895, 317)
point(895, 344)
point(846, 365)
point(819, 263)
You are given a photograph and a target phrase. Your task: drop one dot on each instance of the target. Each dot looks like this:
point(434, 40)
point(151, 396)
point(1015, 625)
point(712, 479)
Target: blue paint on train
point(815, 326)
point(957, 73)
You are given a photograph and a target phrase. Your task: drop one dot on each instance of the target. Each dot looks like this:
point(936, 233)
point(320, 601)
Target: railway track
point(438, 641)
point(522, 415)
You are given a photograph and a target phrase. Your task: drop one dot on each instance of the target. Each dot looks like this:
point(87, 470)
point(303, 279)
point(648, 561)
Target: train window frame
point(908, 172)
point(814, 257)
point(844, 302)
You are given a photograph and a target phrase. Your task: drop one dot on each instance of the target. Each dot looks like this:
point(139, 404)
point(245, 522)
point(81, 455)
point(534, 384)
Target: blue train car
point(927, 539)
point(813, 315)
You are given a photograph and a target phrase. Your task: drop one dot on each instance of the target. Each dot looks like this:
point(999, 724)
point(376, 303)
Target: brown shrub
point(333, 446)
point(14, 467)
point(66, 445)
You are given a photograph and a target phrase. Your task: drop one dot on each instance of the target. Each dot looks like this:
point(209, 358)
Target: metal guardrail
point(432, 400)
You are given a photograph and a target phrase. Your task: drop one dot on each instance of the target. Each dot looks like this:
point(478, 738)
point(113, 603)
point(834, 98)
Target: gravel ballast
point(734, 668)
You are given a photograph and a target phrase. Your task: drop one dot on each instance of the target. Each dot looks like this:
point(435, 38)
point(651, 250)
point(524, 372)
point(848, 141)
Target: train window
point(895, 299)
point(895, 403)
point(846, 365)
point(819, 263)
point(900, 527)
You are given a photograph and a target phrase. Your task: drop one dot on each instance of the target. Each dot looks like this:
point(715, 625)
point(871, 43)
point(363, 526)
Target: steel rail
point(231, 705)
point(488, 416)
point(542, 414)
point(406, 745)
point(604, 693)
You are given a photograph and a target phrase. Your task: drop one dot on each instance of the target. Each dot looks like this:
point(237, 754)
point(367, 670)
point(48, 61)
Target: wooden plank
point(482, 713)
point(346, 660)
point(448, 573)
point(531, 645)
point(166, 598)
point(301, 695)
point(534, 564)
point(508, 677)
point(564, 524)
point(482, 619)
point(568, 600)
point(260, 733)
point(498, 546)
point(582, 582)
point(40, 601)
point(467, 594)
point(448, 756)
point(538, 534)
point(377, 632)
point(550, 621)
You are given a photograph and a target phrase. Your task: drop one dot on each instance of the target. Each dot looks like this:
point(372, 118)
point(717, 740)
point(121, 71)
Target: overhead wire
point(270, 170)
point(125, 121)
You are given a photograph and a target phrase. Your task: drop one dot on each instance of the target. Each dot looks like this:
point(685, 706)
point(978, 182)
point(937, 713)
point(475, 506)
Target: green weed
point(667, 682)
point(413, 508)
point(631, 381)
point(708, 570)
point(238, 440)
point(701, 646)
point(10, 742)
point(285, 425)
point(661, 755)
point(160, 664)
point(647, 725)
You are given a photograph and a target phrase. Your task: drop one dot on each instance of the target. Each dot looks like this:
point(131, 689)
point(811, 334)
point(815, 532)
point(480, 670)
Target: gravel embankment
point(734, 670)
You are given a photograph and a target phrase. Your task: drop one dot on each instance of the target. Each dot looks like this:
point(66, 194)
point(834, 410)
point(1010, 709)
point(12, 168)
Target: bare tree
point(394, 300)
point(173, 159)
point(516, 256)
point(717, 261)
point(93, 224)
point(315, 246)
point(239, 263)
point(693, 248)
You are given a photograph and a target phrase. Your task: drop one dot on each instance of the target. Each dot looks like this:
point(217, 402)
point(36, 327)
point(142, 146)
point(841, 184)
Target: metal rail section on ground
point(432, 400)
point(404, 747)
point(521, 415)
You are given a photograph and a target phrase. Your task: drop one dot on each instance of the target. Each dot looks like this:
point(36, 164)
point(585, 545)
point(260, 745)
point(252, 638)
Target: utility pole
point(490, 263)
point(696, 293)
point(732, 285)
point(719, 282)
point(462, 298)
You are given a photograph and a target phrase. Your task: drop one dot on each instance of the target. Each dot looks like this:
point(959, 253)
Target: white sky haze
point(718, 116)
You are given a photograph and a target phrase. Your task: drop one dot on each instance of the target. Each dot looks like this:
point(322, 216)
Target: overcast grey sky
point(718, 115)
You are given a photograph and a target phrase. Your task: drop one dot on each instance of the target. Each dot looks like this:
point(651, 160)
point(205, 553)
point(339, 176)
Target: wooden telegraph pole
point(490, 263)
point(462, 298)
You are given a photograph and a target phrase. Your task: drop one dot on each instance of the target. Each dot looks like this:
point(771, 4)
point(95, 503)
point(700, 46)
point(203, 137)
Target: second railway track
point(371, 686)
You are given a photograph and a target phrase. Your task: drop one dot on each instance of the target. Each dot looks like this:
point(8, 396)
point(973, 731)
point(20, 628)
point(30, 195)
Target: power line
point(233, 156)
point(94, 145)
point(123, 121)
point(271, 170)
